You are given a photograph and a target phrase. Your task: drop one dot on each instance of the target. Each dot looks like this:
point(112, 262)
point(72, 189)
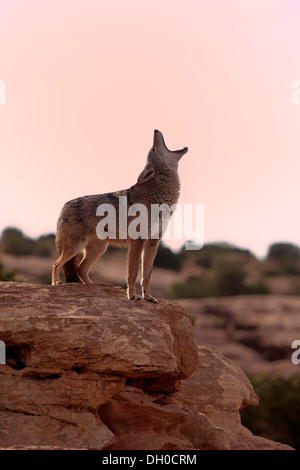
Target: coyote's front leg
point(149, 253)
point(134, 257)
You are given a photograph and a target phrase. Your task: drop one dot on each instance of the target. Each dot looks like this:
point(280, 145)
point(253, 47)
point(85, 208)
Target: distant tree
point(283, 252)
point(225, 247)
point(194, 287)
point(211, 253)
point(14, 241)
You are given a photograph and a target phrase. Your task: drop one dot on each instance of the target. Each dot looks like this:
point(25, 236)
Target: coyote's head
point(160, 158)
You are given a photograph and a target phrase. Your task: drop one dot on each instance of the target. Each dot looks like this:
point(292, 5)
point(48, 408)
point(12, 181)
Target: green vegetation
point(226, 278)
point(14, 241)
point(277, 416)
point(194, 287)
point(283, 259)
point(229, 278)
point(211, 252)
point(259, 287)
point(166, 258)
point(225, 269)
point(7, 275)
point(283, 252)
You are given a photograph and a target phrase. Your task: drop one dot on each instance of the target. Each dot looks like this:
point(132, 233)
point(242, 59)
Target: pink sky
point(87, 82)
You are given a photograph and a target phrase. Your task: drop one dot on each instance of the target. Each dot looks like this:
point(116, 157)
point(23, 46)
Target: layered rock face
point(255, 331)
point(87, 369)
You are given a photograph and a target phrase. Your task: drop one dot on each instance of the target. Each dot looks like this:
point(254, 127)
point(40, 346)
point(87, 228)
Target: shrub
point(289, 267)
point(7, 275)
point(194, 287)
point(44, 245)
point(212, 252)
point(230, 278)
point(259, 287)
point(227, 279)
point(283, 252)
point(271, 272)
point(277, 416)
point(15, 242)
point(205, 260)
point(166, 258)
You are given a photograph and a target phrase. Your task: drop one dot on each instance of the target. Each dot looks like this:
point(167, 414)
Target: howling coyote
point(77, 231)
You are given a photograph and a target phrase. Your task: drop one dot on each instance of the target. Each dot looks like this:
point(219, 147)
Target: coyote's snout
point(158, 184)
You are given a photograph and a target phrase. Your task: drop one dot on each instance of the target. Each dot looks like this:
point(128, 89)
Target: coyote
point(76, 227)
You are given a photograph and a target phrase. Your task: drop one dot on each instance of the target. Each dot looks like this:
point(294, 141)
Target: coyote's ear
point(147, 173)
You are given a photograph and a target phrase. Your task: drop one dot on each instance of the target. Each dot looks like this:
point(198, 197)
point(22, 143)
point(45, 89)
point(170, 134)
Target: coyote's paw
point(135, 297)
point(56, 283)
point(149, 298)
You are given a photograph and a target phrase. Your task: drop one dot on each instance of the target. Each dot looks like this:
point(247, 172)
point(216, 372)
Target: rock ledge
point(87, 369)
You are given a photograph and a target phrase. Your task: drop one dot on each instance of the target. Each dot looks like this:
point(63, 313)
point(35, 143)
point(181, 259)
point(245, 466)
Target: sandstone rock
point(256, 331)
point(95, 328)
point(220, 389)
point(143, 421)
point(76, 431)
point(70, 348)
point(203, 415)
point(87, 369)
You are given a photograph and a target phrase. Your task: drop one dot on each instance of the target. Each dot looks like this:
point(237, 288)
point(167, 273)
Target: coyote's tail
point(70, 269)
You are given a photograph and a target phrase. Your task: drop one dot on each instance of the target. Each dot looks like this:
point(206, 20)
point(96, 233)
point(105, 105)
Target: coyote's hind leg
point(93, 250)
point(68, 251)
point(65, 256)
